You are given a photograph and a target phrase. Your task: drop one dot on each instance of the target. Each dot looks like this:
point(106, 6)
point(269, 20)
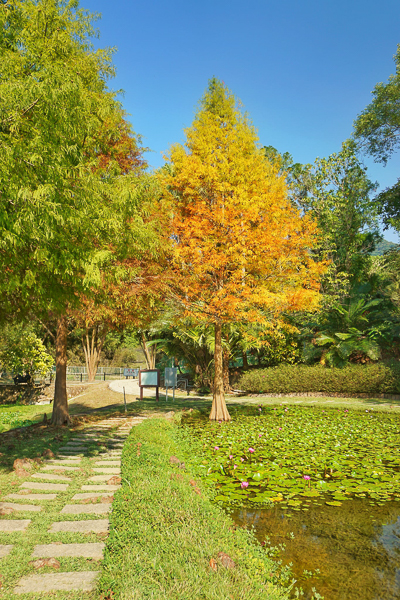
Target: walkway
point(131, 387)
point(84, 487)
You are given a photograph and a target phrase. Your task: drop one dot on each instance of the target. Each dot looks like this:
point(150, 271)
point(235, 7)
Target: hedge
point(380, 378)
point(164, 531)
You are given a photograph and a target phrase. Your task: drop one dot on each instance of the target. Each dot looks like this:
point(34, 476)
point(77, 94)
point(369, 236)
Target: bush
point(164, 532)
point(380, 378)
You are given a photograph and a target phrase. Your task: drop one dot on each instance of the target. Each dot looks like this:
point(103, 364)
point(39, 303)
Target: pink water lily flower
point(260, 435)
point(251, 450)
point(242, 459)
point(235, 466)
point(280, 428)
point(231, 456)
point(244, 485)
point(306, 477)
point(216, 447)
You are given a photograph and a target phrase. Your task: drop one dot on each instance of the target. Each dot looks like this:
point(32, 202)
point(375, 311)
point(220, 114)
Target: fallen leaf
point(114, 480)
point(22, 463)
point(226, 560)
point(213, 565)
point(6, 511)
point(45, 562)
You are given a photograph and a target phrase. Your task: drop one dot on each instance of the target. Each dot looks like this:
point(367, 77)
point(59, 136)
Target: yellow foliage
point(240, 245)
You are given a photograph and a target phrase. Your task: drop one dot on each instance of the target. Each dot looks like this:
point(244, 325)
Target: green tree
point(64, 211)
point(377, 130)
point(22, 352)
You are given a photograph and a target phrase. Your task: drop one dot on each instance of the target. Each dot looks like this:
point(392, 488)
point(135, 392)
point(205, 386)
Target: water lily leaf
point(334, 503)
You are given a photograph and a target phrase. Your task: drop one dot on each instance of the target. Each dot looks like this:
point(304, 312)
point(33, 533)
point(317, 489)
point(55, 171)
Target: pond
point(326, 483)
point(355, 547)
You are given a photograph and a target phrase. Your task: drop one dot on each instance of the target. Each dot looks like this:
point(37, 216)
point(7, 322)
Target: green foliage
point(164, 532)
point(60, 211)
point(21, 351)
point(293, 456)
point(380, 378)
point(378, 126)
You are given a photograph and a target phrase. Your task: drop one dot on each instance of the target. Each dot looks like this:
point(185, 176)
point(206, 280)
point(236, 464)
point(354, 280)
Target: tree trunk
point(219, 412)
point(245, 363)
point(60, 406)
point(225, 366)
point(92, 349)
point(149, 352)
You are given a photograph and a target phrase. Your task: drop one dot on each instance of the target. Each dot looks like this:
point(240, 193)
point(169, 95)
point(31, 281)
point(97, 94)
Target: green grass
point(18, 415)
point(164, 534)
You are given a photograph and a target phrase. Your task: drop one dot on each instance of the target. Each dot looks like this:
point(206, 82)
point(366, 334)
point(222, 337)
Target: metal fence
point(74, 373)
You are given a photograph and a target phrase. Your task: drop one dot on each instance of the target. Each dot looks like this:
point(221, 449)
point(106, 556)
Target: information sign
point(131, 372)
point(171, 376)
point(149, 378)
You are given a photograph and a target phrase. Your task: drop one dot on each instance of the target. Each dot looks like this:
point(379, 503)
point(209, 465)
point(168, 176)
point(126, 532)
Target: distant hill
point(383, 247)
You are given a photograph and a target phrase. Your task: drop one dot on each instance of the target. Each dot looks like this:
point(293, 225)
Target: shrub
point(380, 378)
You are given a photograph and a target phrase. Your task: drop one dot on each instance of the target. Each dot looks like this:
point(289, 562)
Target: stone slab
point(100, 478)
point(111, 470)
point(73, 454)
point(74, 443)
point(69, 458)
point(23, 507)
point(87, 495)
point(5, 550)
point(51, 477)
point(31, 496)
point(68, 461)
point(108, 463)
point(100, 488)
point(67, 449)
point(11, 525)
point(51, 582)
point(51, 487)
point(61, 467)
point(85, 509)
point(98, 526)
point(94, 550)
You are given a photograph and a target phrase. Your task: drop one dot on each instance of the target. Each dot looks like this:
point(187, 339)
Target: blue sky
point(303, 70)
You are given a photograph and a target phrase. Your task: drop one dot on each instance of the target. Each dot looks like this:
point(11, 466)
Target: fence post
point(81, 377)
point(104, 375)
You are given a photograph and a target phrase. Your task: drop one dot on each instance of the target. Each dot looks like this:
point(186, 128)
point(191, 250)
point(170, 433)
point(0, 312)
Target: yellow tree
point(241, 250)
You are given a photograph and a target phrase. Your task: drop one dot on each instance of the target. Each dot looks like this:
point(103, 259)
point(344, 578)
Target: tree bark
point(92, 349)
point(245, 362)
point(219, 412)
point(225, 366)
point(149, 352)
point(60, 414)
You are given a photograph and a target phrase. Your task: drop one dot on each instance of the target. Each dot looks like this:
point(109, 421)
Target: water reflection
point(355, 546)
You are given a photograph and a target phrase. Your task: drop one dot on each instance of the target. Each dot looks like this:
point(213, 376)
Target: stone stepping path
point(23, 507)
point(85, 509)
point(52, 582)
point(100, 488)
point(87, 495)
point(31, 496)
point(52, 487)
point(98, 526)
point(5, 549)
point(61, 467)
point(51, 477)
point(11, 525)
point(56, 550)
point(72, 461)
